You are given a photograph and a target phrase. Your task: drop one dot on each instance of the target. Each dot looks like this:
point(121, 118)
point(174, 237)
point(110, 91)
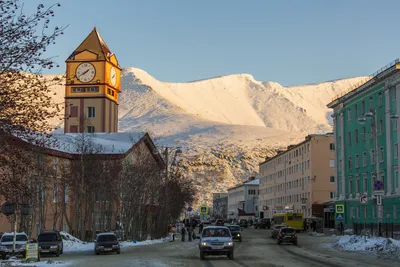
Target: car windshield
point(47, 237)
point(106, 238)
point(10, 238)
point(279, 226)
point(287, 230)
point(216, 232)
point(234, 228)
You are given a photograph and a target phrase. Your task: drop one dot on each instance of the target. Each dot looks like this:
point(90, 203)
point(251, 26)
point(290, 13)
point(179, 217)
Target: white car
point(216, 240)
point(6, 244)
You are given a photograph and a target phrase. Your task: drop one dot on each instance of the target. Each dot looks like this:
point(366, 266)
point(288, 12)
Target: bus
point(294, 220)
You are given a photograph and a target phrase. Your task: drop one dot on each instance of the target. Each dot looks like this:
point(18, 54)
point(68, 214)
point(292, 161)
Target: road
point(256, 250)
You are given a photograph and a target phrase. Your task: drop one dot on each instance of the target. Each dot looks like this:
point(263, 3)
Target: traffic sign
point(339, 217)
point(331, 208)
point(378, 185)
point(204, 210)
point(364, 199)
point(339, 208)
point(379, 193)
point(274, 211)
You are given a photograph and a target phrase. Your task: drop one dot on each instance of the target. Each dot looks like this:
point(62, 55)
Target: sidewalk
point(323, 246)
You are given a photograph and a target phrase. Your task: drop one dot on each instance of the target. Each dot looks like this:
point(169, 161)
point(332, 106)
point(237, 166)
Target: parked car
point(6, 244)
point(243, 223)
point(50, 242)
point(216, 240)
point(219, 222)
point(106, 242)
point(262, 224)
point(275, 230)
point(287, 235)
point(236, 232)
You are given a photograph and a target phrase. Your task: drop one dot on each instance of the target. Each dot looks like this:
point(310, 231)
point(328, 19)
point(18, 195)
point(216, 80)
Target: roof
point(107, 233)
point(215, 227)
point(292, 147)
point(253, 182)
point(371, 80)
point(93, 43)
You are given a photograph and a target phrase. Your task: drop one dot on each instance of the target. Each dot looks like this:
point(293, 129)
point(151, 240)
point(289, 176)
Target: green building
point(366, 139)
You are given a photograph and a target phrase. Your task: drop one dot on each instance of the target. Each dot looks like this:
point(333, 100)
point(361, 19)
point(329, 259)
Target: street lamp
point(372, 114)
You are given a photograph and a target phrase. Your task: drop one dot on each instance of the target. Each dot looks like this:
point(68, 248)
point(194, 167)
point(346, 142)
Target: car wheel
point(118, 252)
point(240, 240)
point(295, 242)
point(58, 253)
point(97, 253)
point(278, 242)
point(230, 255)
point(202, 255)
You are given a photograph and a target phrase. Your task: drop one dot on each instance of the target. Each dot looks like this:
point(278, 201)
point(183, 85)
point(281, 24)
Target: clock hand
point(84, 72)
point(113, 76)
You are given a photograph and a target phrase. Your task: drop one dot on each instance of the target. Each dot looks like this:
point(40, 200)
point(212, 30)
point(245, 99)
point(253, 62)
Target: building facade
point(220, 205)
point(93, 82)
point(243, 198)
point(366, 137)
point(298, 177)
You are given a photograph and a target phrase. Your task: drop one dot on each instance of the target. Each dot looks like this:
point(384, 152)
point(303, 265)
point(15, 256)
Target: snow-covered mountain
point(227, 124)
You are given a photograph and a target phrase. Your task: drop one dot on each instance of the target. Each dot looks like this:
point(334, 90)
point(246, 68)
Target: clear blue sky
point(290, 42)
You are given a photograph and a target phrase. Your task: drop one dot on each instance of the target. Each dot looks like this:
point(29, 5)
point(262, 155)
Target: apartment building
point(298, 177)
point(243, 198)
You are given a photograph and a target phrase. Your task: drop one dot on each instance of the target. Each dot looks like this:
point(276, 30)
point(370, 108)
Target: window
point(372, 129)
point(394, 211)
point(66, 193)
point(365, 184)
point(373, 156)
point(90, 129)
point(350, 186)
point(349, 163)
point(331, 195)
point(349, 136)
point(364, 159)
point(395, 125)
point(380, 99)
point(394, 94)
point(340, 165)
point(332, 146)
point(370, 102)
point(92, 89)
point(349, 115)
point(331, 163)
point(252, 192)
point(110, 91)
point(55, 195)
point(356, 112)
point(357, 161)
point(356, 136)
point(78, 89)
point(73, 111)
point(332, 179)
point(396, 150)
point(73, 128)
point(381, 155)
point(91, 112)
point(380, 130)
point(358, 184)
point(365, 212)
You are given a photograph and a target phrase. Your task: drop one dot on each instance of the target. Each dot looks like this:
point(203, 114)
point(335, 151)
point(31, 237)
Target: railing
point(364, 81)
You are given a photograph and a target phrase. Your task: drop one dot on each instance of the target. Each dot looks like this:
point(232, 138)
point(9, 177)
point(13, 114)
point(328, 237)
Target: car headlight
point(115, 246)
point(238, 234)
point(204, 244)
point(100, 246)
point(229, 244)
point(54, 247)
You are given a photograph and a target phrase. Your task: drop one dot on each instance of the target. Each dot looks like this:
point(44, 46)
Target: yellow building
point(93, 83)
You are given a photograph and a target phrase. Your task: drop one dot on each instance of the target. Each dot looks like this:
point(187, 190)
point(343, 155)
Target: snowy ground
point(386, 248)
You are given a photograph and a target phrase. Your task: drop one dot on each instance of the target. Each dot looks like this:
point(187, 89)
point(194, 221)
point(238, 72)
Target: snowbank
point(386, 248)
point(73, 244)
point(19, 263)
point(315, 234)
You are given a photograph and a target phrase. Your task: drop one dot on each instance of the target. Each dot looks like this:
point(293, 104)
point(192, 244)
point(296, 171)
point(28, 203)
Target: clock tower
point(92, 86)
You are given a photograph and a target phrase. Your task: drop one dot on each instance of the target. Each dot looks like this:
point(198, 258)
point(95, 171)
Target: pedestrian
point(314, 225)
point(171, 231)
point(183, 232)
point(201, 225)
point(305, 225)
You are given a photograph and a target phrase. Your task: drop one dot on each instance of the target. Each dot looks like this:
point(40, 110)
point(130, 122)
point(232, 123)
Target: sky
point(289, 42)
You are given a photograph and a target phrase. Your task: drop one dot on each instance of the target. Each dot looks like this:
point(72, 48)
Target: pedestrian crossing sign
point(339, 217)
point(203, 210)
point(339, 208)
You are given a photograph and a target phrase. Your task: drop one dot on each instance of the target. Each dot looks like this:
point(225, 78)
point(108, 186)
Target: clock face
point(113, 76)
point(85, 72)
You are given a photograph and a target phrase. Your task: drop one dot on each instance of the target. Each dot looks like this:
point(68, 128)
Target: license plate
point(107, 249)
point(218, 247)
point(44, 250)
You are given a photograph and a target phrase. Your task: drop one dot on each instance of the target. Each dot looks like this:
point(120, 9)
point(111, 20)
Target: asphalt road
point(257, 249)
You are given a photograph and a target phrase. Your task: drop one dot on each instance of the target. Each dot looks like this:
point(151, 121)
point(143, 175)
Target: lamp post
point(372, 114)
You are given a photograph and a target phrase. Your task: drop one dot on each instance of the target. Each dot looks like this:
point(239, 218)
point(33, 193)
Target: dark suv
point(106, 242)
point(50, 242)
